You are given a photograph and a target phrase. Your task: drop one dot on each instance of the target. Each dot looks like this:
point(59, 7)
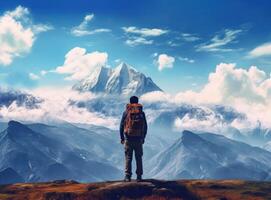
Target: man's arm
point(145, 126)
point(122, 126)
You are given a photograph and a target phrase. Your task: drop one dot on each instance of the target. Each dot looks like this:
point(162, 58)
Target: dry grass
point(147, 190)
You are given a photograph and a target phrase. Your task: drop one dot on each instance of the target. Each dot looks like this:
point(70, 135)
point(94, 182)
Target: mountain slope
point(122, 80)
point(37, 157)
point(9, 176)
point(210, 156)
point(100, 142)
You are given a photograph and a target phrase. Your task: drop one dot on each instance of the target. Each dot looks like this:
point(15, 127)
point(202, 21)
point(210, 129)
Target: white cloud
point(138, 36)
point(39, 28)
point(246, 90)
point(33, 76)
point(17, 34)
point(134, 41)
point(262, 50)
point(145, 32)
point(83, 28)
point(18, 13)
point(156, 96)
point(189, 37)
point(78, 63)
point(186, 59)
point(165, 61)
point(56, 106)
point(219, 41)
point(210, 124)
point(228, 85)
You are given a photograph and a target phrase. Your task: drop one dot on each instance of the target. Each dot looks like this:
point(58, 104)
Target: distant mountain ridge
point(210, 156)
point(122, 80)
point(31, 155)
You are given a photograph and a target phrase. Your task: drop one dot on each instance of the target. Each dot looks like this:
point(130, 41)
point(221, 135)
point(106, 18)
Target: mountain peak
point(190, 138)
point(121, 80)
point(17, 129)
point(124, 67)
point(189, 135)
point(12, 123)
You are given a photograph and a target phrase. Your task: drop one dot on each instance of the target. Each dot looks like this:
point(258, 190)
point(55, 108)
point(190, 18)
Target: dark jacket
point(125, 136)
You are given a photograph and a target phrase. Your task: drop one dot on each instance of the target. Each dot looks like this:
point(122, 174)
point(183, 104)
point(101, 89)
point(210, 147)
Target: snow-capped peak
point(122, 80)
point(124, 66)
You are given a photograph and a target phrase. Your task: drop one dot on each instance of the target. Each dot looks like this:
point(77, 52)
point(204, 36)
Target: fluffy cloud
point(56, 107)
point(83, 28)
point(165, 61)
point(262, 50)
point(78, 63)
point(219, 41)
point(156, 96)
point(134, 41)
point(210, 124)
point(144, 32)
point(17, 34)
point(230, 85)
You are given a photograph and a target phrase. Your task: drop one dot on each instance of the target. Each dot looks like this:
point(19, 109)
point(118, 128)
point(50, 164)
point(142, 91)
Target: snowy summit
point(122, 80)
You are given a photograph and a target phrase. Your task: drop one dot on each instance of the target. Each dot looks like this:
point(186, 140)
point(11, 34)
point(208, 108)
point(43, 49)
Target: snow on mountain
point(210, 156)
point(122, 80)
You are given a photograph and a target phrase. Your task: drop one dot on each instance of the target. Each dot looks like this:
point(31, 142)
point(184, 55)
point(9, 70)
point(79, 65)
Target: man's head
point(134, 99)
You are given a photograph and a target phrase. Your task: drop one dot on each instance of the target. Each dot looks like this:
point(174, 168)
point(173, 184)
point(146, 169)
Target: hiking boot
point(139, 179)
point(127, 179)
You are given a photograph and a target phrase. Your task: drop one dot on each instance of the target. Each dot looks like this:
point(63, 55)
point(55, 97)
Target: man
point(133, 130)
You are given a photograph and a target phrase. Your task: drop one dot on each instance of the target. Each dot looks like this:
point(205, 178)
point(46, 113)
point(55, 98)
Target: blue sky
point(177, 43)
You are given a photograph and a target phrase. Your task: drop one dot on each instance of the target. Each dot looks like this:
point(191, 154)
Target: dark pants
point(130, 147)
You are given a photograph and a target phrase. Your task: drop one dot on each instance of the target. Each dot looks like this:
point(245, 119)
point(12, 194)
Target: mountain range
point(37, 156)
point(40, 152)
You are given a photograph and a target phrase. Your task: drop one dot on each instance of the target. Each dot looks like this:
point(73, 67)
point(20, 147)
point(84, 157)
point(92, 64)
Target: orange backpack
point(134, 121)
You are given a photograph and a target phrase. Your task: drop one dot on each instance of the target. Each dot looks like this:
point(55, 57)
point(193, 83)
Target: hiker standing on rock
point(133, 130)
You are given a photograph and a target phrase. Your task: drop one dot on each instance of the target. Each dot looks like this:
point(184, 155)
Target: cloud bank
point(246, 90)
point(55, 106)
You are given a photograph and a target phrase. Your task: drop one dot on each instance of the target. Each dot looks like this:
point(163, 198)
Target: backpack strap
point(129, 106)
